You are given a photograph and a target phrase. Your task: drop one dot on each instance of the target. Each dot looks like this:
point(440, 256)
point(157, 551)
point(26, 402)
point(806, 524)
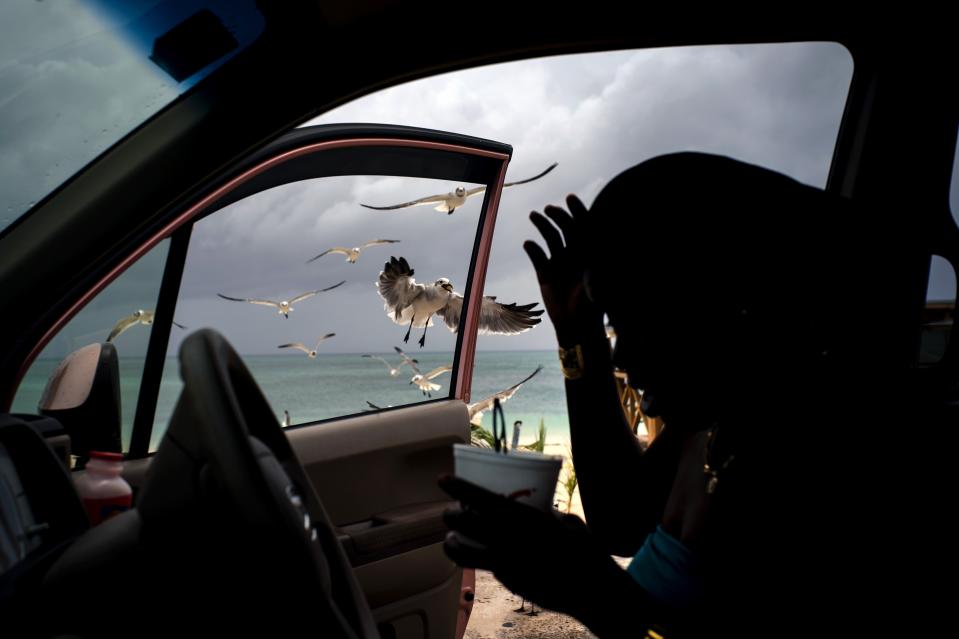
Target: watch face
point(571, 361)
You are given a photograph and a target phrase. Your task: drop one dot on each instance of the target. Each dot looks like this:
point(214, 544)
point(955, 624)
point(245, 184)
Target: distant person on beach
point(729, 287)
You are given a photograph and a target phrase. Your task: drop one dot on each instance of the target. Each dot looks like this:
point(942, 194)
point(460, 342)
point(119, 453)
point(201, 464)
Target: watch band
point(571, 361)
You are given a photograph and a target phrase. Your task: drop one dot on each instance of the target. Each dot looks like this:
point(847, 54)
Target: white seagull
point(449, 202)
point(396, 371)
point(138, 317)
point(286, 419)
point(284, 307)
point(300, 346)
point(351, 253)
point(408, 302)
point(477, 409)
point(423, 381)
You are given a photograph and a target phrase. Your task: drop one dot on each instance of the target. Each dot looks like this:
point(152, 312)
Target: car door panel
point(376, 476)
point(378, 469)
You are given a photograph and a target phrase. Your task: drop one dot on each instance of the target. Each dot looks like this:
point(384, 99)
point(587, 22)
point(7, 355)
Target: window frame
point(296, 144)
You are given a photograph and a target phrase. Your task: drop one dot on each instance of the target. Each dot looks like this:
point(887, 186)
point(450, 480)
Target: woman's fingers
point(576, 207)
point(553, 239)
point(466, 552)
point(538, 258)
point(563, 220)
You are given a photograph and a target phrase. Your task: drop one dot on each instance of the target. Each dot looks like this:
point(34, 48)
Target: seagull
point(449, 202)
point(138, 317)
point(396, 371)
point(408, 302)
point(477, 409)
point(286, 418)
point(423, 381)
point(302, 347)
point(284, 307)
point(351, 253)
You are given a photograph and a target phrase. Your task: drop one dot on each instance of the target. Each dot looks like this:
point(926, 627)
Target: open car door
point(303, 257)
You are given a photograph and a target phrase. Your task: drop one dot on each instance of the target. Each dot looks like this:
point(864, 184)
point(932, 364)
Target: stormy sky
point(778, 106)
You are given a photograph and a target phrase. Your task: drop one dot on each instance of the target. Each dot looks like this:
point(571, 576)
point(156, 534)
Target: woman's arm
point(553, 560)
point(623, 489)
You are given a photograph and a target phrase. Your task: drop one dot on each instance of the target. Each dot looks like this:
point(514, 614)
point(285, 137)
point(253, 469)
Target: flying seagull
point(423, 381)
point(477, 409)
point(351, 253)
point(138, 317)
point(284, 307)
point(394, 371)
point(449, 202)
point(300, 346)
point(408, 302)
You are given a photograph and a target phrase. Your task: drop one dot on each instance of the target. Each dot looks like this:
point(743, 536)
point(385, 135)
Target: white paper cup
point(526, 476)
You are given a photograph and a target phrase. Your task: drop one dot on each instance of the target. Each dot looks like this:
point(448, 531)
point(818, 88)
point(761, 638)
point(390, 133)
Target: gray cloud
point(775, 105)
point(70, 86)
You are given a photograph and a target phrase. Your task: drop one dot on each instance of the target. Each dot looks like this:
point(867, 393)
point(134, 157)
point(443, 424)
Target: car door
point(371, 439)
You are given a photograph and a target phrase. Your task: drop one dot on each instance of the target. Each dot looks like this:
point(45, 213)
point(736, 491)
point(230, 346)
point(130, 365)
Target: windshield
point(77, 76)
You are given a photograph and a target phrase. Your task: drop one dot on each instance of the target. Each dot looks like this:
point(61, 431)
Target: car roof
point(313, 57)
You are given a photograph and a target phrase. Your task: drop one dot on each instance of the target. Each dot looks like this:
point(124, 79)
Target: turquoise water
point(334, 385)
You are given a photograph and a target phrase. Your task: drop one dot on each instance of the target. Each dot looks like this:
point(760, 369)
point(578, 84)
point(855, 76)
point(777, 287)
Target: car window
point(335, 351)
point(939, 311)
point(776, 105)
point(122, 313)
point(76, 76)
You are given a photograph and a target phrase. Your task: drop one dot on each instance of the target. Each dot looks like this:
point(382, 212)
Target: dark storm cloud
point(776, 105)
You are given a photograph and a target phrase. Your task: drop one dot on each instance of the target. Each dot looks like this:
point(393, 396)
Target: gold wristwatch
point(571, 361)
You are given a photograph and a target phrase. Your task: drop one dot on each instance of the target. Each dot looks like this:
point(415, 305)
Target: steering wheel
point(227, 486)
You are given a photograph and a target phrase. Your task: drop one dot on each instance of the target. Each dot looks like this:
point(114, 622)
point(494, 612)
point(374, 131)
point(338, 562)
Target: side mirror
point(83, 394)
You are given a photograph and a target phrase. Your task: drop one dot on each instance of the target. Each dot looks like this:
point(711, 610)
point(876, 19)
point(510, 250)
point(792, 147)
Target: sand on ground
point(495, 607)
point(494, 616)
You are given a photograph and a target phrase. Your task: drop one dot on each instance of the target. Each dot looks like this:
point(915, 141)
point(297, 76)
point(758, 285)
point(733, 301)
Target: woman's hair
point(742, 252)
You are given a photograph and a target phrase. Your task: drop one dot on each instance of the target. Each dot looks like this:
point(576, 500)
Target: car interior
point(334, 525)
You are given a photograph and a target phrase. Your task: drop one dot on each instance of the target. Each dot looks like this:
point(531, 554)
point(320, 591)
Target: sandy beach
point(494, 616)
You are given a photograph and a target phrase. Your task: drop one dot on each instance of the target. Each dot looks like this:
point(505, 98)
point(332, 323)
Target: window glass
point(76, 76)
point(937, 316)
point(276, 245)
point(121, 313)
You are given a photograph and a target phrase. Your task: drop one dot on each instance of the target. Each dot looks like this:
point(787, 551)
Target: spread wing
point(325, 337)
point(436, 372)
point(406, 358)
point(495, 318)
point(429, 199)
point(336, 249)
point(377, 243)
point(388, 365)
point(180, 326)
point(476, 190)
point(123, 325)
point(504, 395)
point(309, 294)
point(398, 288)
point(251, 301)
point(535, 177)
point(297, 345)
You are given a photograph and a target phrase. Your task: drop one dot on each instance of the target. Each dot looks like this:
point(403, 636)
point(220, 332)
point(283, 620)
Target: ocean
point(335, 385)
